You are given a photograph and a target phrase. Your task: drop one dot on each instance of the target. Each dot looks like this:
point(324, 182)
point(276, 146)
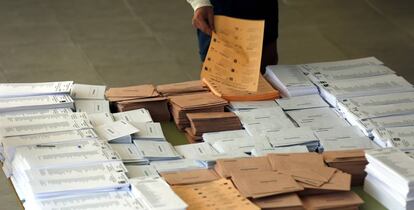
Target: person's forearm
point(199, 3)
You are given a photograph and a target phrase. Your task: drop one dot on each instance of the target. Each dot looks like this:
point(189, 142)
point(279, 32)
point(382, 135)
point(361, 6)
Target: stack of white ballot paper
point(176, 165)
point(341, 65)
point(390, 178)
point(301, 102)
point(36, 102)
point(135, 171)
point(9, 90)
point(224, 135)
point(148, 131)
point(290, 80)
point(243, 105)
point(156, 150)
point(367, 125)
point(92, 106)
point(98, 119)
point(317, 119)
point(400, 137)
point(294, 137)
point(116, 132)
point(336, 90)
point(82, 91)
point(343, 138)
point(156, 194)
point(138, 115)
point(129, 153)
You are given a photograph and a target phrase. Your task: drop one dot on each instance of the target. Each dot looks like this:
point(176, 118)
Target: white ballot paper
point(376, 100)
point(34, 112)
point(137, 115)
point(292, 136)
point(351, 73)
point(148, 131)
point(290, 80)
point(365, 112)
point(317, 119)
point(341, 65)
point(32, 89)
point(302, 102)
point(124, 200)
point(92, 106)
point(333, 91)
point(156, 194)
point(129, 153)
point(343, 138)
point(176, 165)
point(98, 119)
point(116, 130)
point(240, 145)
point(156, 150)
point(394, 137)
point(81, 91)
point(135, 171)
point(241, 105)
point(224, 135)
point(45, 128)
point(367, 125)
point(35, 102)
point(41, 119)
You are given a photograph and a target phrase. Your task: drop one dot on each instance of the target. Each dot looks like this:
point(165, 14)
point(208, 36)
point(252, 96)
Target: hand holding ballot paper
point(232, 66)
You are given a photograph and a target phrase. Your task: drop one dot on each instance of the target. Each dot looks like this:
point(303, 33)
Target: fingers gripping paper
point(233, 59)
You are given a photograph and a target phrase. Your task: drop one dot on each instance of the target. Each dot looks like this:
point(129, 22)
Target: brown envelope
point(131, 92)
point(286, 201)
point(340, 181)
point(181, 87)
point(264, 183)
point(332, 200)
point(220, 194)
point(199, 100)
point(225, 167)
point(190, 177)
point(344, 156)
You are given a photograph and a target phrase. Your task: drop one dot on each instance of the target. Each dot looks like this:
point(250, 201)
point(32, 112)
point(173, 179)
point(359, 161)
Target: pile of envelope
point(181, 88)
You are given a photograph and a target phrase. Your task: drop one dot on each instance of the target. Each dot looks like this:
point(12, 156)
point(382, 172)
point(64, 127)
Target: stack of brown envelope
point(333, 201)
point(182, 88)
point(191, 138)
point(310, 171)
point(289, 201)
point(259, 184)
point(349, 161)
point(193, 103)
point(190, 177)
point(139, 96)
point(220, 194)
point(205, 122)
point(225, 167)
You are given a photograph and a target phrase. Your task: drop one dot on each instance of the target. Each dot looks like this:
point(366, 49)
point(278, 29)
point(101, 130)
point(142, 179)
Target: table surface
point(176, 138)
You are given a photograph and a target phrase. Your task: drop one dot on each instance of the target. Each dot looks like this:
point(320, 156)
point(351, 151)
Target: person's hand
point(203, 19)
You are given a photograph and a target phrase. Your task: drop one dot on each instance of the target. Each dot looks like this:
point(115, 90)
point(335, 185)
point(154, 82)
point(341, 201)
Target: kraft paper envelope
point(332, 200)
point(225, 167)
point(344, 156)
point(131, 92)
point(283, 202)
point(218, 195)
point(198, 100)
point(340, 181)
point(190, 177)
point(181, 88)
point(264, 183)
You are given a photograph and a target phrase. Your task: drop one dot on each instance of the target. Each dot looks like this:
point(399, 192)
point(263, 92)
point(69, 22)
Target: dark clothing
point(246, 9)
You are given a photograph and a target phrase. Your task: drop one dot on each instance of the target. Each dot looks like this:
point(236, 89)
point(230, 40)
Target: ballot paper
point(129, 153)
point(124, 200)
point(34, 112)
point(376, 100)
point(138, 115)
point(156, 150)
point(293, 136)
point(341, 65)
point(36, 102)
point(81, 91)
point(213, 137)
point(317, 119)
point(13, 121)
point(235, 145)
point(333, 91)
point(350, 73)
point(394, 137)
point(342, 132)
point(136, 171)
point(31, 89)
point(156, 194)
point(258, 184)
point(242, 105)
point(234, 61)
point(289, 80)
point(220, 193)
point(10, 143)
point(347, 144)
point(118, 131)
point(226, 167)
point(46, 127)
point(302, 102)
point(92, 106)
point(98, 119)
point(148, 131)
point(166, 166)
point(367, 125)
point(190, 177)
